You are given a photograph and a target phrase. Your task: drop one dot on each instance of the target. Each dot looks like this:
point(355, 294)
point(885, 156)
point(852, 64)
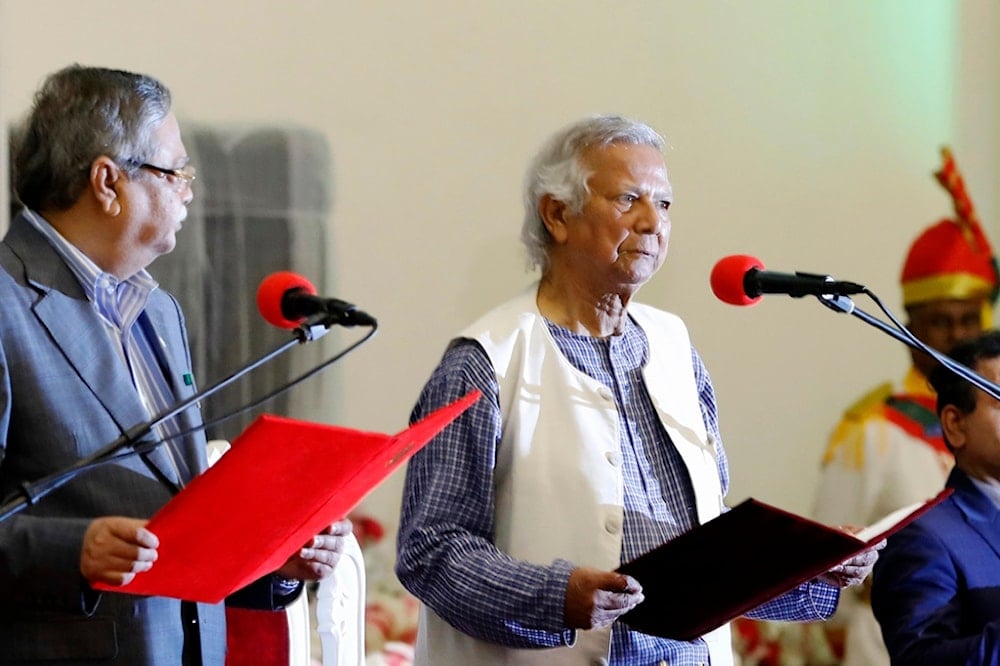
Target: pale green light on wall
point(920, 52)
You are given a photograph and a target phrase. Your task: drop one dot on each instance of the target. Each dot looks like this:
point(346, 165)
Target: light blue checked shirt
point(446, 556)
point(120, 303)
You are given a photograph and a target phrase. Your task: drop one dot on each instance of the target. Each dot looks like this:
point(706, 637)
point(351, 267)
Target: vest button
point(613, 457)
point(612, 525)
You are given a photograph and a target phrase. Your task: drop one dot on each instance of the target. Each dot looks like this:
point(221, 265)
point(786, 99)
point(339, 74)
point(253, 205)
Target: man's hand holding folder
point(855, 570)
point(756, 553)
point(249, 514)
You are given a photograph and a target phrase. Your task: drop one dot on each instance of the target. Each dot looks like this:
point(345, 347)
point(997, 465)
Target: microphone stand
point(844, 304)
point(32, 491)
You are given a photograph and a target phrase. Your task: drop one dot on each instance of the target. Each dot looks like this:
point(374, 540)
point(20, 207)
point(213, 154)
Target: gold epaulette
point(869, 401)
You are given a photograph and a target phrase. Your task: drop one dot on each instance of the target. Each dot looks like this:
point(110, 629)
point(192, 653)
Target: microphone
point(285, 299)
point(271, 297)
point(136, 440)
point(740, 279)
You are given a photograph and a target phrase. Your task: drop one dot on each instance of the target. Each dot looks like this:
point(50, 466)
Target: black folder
point(739, 560)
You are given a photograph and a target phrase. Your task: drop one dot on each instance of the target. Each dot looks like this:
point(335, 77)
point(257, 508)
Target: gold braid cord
point(951, 179)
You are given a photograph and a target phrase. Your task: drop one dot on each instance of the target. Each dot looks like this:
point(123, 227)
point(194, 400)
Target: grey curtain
point(262, 203)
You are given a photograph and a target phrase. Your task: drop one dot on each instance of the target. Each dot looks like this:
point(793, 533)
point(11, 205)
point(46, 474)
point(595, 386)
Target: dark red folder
point(737, 561)
point(282, 482)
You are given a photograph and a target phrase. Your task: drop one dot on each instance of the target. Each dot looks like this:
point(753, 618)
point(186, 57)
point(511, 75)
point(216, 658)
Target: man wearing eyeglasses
point(90, 348)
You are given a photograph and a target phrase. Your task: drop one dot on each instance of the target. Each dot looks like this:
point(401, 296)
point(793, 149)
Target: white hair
point(557, 171)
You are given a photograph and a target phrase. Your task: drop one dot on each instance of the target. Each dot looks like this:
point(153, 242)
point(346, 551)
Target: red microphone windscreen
point(272, 290)
point(727, 278)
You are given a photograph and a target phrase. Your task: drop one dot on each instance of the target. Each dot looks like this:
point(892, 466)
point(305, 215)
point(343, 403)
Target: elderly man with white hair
point(596, 439)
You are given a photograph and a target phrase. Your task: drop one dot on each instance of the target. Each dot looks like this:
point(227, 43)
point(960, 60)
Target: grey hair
point(557, 171)
point(79, 114)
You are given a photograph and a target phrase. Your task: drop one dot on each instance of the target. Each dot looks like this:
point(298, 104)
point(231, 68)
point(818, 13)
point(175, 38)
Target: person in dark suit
point(936, 587)
point(90, 348)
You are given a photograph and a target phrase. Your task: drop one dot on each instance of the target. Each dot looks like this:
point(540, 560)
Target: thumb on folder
point(115, 549)
point(317, 559)
point(855, 570)
point(596, 598)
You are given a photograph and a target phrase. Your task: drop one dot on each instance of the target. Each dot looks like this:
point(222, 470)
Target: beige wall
point(803, 133)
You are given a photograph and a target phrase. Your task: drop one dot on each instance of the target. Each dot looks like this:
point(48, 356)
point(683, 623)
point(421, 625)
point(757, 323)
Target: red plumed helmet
point(953, 258)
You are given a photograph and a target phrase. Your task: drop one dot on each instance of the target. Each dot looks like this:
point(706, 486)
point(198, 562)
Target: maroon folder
point(282, 482)
point(739, 560)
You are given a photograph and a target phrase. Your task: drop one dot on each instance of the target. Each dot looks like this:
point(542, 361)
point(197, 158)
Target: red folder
point(732, 564)
point(282, 482)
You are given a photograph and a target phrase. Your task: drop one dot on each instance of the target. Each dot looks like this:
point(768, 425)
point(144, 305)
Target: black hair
point(952, 389)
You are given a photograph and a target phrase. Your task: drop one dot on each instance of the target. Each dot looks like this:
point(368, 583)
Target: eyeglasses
point(186, 173)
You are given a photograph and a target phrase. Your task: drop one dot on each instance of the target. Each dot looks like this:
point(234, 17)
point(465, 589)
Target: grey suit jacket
point(64, 393)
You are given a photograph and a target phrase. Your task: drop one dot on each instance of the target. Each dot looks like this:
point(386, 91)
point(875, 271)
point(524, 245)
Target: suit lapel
point(80, 334)
point(979, 510)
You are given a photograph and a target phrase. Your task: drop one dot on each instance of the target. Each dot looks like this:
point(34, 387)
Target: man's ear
point(553, 214)
point(953, 426)
point(105, 177)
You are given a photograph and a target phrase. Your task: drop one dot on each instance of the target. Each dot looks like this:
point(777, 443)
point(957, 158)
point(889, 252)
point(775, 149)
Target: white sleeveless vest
point(558, 477)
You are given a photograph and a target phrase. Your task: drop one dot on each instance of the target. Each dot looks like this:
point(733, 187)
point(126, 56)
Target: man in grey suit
point(89, 348)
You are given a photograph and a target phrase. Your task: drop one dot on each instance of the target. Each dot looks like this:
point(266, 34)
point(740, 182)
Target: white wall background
point(802, 132)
